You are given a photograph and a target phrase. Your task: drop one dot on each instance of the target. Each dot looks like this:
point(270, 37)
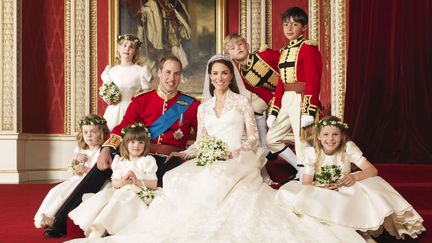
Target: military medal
point(178, 134)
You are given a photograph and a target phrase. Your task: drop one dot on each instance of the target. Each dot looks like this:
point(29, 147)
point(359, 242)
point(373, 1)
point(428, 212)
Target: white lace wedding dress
point(226, 201)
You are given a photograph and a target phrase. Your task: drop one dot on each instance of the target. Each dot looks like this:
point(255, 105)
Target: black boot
point(56, 230)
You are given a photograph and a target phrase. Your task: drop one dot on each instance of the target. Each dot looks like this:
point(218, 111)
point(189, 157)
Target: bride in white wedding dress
point(226, 201)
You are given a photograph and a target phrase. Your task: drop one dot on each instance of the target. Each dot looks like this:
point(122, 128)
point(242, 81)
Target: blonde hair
point(137, 133)
point(230, 39)
point(317, 143)
point(102, 128)
point(135, 59)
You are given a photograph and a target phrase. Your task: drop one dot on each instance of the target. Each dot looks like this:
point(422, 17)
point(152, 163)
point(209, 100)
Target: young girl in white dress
point(360, 200)
point(92, 133)
point(133, 172)
point(130, 77)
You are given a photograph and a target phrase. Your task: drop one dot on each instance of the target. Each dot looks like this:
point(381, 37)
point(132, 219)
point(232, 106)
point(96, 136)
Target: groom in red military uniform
point(169, 116)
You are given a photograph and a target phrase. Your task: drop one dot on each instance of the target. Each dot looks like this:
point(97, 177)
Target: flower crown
point(339, 124)
point(132, 127)
point(129, 37)
point(92, 121)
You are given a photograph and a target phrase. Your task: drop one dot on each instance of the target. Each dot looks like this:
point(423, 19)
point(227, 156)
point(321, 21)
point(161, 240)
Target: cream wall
point(30, 157)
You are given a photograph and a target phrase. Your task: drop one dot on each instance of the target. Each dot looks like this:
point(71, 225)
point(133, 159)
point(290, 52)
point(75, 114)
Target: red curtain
point(389, 79)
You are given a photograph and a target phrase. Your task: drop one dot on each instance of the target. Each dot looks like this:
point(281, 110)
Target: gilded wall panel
point(80, 61)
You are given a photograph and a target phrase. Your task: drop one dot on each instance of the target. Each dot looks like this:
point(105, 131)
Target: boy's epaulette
point(311, 42)
point(143, 92)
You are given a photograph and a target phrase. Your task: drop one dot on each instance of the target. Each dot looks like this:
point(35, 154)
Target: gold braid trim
point(113, 141)
point(307, 107)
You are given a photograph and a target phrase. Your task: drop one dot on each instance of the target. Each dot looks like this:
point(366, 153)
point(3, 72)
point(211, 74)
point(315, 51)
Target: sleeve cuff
point(113, 141)
point(308, 108)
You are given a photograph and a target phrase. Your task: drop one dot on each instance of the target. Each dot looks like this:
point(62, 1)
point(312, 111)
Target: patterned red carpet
point(20, 202)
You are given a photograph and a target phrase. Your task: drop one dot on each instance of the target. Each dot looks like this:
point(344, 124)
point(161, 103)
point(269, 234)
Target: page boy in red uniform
point(299, 65)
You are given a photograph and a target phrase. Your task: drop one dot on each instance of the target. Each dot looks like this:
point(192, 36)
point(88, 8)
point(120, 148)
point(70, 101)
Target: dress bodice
point(92, 155)
point(236, 124)
point(229, 127)
point(144, 168)
point(129, 79)
point(352, 155)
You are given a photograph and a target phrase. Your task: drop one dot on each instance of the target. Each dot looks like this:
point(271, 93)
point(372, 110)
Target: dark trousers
point(93, 182)
point(163, 166)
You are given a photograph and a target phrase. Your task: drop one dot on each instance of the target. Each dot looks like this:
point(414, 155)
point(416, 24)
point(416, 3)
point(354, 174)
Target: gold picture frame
point(206, 22)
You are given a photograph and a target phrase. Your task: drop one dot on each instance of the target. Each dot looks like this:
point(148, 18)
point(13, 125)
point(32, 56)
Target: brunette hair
point(164, 59)
point(298, 15)
point(137, 133)
point(232, 85)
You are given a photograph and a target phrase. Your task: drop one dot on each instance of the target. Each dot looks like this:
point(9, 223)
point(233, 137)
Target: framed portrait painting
point(191, 30)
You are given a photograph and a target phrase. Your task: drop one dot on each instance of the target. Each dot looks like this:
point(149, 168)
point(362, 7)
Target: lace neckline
point(212, 103)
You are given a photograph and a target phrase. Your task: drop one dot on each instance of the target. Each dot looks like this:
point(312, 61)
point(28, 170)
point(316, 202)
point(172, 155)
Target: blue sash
point(170, 116)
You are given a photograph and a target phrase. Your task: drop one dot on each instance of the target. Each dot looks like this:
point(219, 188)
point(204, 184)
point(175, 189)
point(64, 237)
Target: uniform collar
point(166, 96)
point(296, 41)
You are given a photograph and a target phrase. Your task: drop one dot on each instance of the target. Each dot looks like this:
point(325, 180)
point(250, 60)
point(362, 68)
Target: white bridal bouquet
point(146, 194)
point(110, 91)
point(329, 174)
point(211, 149)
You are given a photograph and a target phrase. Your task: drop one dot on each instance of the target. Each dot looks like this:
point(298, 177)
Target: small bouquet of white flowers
point(146, 194)
point(110, 91)
point(211, 149)
point(329, 174)
point(73, 166)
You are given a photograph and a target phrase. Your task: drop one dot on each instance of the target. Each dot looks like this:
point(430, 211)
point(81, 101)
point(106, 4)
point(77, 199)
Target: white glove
point(271, 120)
point(306, 120)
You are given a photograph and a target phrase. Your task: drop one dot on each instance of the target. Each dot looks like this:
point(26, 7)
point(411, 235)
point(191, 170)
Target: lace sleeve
point(201, 131)
point(251, 142)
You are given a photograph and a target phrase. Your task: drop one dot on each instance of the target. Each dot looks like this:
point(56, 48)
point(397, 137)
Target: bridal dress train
point(226, 201)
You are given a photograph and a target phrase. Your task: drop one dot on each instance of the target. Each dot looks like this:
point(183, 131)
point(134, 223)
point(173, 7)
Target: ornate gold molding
point(338, 57)
point(243, 18)
point(342, 57)
point(80, 61)
point(79, 68)
point(268, 23)
point(9, 67)
point(112, 29)
point(314, 17)
point(93, 57)
point(255, 20)
point(220, 24)
point(67, 66)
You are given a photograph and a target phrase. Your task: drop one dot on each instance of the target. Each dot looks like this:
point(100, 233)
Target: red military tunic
point(147, 108)
point(261, 74)
point(300, 61)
